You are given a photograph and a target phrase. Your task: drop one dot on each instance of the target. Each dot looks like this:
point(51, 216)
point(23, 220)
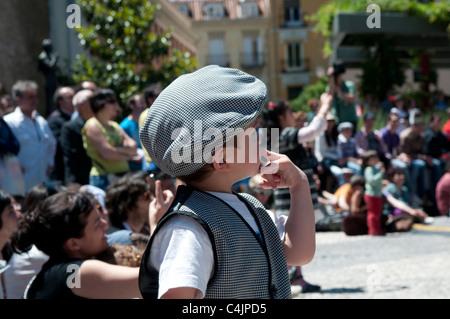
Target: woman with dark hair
point(69, 228)
point(37, 194)
point(23, 266)
point(397, 204)
point(279, 116)
point(9, 217)
point(106, 143)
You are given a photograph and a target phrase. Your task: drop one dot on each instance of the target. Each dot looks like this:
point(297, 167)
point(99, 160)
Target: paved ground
point(415, 264)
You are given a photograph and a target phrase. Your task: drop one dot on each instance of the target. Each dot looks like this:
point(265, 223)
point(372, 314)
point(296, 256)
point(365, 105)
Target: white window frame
point(184, 9)
point(249, 9)
point(213, 11)
point(292, 21)
point(290, 52)
point(253, 51)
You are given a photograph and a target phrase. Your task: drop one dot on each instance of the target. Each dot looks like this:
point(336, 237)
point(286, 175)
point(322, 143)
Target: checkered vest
point(246, 266)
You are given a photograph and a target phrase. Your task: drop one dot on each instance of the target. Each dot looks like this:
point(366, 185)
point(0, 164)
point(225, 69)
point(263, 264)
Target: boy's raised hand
point(280, 172)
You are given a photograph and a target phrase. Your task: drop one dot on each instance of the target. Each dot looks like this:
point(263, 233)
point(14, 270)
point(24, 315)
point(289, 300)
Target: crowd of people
point(78, 183)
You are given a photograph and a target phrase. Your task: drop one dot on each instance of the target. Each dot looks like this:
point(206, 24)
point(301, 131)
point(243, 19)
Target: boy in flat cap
point(213, 243)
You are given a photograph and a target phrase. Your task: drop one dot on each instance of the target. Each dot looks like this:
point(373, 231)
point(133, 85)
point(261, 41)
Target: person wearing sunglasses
point(106, 143)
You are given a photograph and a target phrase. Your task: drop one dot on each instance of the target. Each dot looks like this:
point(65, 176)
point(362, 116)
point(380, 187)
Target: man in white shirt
point(37, 143)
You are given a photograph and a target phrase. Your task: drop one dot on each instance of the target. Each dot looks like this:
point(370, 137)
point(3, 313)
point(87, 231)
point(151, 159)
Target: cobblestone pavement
point(407, 265)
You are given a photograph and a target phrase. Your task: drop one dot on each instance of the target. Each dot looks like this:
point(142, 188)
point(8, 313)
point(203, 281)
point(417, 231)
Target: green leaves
point(435, 12)
point(125, 55)
point(311, 91)
point(382, 70)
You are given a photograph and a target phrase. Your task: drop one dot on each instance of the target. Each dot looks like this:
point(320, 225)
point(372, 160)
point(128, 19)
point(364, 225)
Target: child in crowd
point(213, 243)
point(373, 175)
point(348, 147)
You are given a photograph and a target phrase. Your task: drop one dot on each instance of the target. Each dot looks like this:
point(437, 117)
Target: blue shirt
point(132, 129)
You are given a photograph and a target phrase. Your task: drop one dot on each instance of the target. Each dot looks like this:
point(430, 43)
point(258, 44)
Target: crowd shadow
point(342, 290)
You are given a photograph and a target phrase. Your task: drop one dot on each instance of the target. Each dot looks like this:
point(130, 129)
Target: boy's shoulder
point(197, 195)
point(197, 202)
point(251, 199)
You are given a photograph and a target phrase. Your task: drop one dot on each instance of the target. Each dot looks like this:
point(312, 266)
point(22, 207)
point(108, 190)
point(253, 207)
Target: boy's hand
point(299, 238)
point(280, 172)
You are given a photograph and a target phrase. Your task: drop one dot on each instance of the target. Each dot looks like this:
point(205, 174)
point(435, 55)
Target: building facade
point(295, 50)
point(231, 33)
point(268, 39)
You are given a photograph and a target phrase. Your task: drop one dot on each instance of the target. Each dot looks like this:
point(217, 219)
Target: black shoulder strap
point(149, 277)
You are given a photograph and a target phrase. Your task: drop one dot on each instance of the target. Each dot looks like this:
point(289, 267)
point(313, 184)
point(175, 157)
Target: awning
point(408, 33)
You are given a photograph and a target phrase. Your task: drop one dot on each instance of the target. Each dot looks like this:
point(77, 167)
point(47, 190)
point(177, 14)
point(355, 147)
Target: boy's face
point(244, 157)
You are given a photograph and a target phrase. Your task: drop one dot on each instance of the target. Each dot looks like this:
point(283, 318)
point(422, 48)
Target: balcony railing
point(252, 60)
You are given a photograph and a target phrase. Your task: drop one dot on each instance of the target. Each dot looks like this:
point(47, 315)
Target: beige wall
point(311, 43)
point(23, 26)
point(233, 32)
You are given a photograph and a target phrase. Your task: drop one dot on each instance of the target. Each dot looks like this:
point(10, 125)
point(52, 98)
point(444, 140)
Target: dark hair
point(121, 197)
point(271, 117)
point(434, 116)
point(5, 201)
point(197, 176)
point(37, 194)
point(395, 171)
point(331, 138)
point(58, 218)
point(357, 180)
point(447, 166)
point(152, 91)
point(100, 98)
point(367, 156)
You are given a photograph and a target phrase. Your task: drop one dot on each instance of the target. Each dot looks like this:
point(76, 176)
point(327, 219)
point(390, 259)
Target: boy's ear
point(219, 160)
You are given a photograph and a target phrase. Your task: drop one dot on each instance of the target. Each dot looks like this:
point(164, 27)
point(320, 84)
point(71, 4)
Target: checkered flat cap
point(185, 118)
